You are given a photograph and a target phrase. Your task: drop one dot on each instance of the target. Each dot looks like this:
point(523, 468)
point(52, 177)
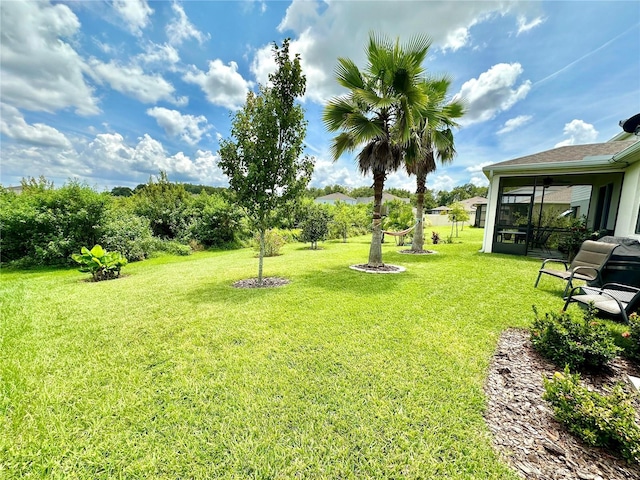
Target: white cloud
point(514, 123)
point(323, 31)
point(111, 153)
point(13, 125)
point(494, 91)
point(579, 132)
point(479, 181)
point(441, 182)
point(185, 127)
point(456, 39)
point(222, 84)
point(524, 25)
point(135, 13)
point(478, 167)
point(131, 80)
point(40, 70)
point(181, 29)
point(159, 55)
point(300, 14)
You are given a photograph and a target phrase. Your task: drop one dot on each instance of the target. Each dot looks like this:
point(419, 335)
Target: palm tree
point(378, 114)
point(432, 139)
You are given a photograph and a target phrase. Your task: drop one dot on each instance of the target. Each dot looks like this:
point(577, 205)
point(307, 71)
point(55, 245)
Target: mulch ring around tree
point(525, 433)
point(267, 282)
point(417, 252)
point(381, 269)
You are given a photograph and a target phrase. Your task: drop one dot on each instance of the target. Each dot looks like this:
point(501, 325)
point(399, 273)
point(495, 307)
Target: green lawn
point(170, 372)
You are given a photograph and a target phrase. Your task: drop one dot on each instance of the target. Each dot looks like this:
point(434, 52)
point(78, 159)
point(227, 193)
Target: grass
point(170, 372)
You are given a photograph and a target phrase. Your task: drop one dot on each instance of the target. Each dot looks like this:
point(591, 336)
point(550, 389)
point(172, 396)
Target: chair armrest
point(620, 286)
point(580, 268)
point(553, 260)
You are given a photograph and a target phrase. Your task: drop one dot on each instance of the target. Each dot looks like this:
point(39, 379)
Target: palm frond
point(348, 74)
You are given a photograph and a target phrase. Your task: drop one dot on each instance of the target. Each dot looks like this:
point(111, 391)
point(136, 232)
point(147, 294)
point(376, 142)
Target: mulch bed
point(267, 282)
point(381, 269)
point(526, 435)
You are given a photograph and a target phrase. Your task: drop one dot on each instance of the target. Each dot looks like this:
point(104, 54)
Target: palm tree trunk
point(418, 237)
point(375, 251)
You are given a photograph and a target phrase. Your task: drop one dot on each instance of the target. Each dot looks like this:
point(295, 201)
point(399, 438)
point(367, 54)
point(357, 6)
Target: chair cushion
point(601, 302)
point(565, 274)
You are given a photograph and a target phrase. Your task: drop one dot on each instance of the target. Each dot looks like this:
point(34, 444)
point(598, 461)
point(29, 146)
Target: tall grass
point(170, 372)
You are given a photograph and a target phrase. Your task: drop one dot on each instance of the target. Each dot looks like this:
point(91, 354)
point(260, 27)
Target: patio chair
point(541, 238)
point(614, 299)
point(586, 265)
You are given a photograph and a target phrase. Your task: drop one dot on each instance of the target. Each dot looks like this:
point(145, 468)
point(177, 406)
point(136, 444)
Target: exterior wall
point(580, 196)
point(630, 204)
point(492, 205)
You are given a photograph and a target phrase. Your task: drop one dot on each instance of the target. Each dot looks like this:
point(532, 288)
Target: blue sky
point(112, 92)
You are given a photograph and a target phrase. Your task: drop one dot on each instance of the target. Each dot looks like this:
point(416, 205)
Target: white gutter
point(587, 162)
point(627, 152)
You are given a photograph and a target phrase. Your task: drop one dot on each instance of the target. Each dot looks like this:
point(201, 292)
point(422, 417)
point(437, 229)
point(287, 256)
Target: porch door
point(513, 220)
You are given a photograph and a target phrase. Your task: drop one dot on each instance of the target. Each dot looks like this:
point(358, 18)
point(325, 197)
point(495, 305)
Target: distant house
point(441, 210)
point(332, 198)
point(605, 189)
point(386, 197)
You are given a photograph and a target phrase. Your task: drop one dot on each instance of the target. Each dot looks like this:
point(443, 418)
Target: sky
point(112, 92)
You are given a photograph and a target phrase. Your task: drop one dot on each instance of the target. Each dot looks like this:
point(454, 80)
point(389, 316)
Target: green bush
point(289, 235)
point(44, 226)
point(632, 344)
point(165, 205)
point(127, 233)
point(215, 222)
point(273, 242)
point(599, 420)
point(102, 265)
point(315, 226)
point(172, 247)
point(580, 344)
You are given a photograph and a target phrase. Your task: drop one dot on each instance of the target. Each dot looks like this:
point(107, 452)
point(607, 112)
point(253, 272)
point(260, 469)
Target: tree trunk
point(375, 251)
point(418, 237)
point(261, 260)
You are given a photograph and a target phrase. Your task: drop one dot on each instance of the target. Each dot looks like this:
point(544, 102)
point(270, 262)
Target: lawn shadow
point(223, 291)
point(341, 278)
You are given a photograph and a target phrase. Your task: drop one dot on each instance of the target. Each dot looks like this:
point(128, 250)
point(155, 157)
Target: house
point(332, 198)
point(386, 197)
point(605, 189)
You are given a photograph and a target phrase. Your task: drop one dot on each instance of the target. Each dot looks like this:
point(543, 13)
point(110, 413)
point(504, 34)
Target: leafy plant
point(102, 265)
point(633, 337)
point(273, 242)
point(435, 238)
point(580, 344)
point(599, 420)
point(316, 226)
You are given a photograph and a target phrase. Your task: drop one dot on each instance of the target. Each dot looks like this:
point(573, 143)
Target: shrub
point(289, 235)
point(599, 420)
point(44, 226)
point(127, 233)
point(632, 347)
point(315, 226)
point(102, 265)
point(580, 344)
point(273, 242)
point(165, 205)
point(172, 247)
point(215, 222)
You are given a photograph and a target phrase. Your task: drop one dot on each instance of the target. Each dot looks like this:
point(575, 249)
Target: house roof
point(386, 197)
point(570, 153)
point(336, 196)
point(472, 202)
